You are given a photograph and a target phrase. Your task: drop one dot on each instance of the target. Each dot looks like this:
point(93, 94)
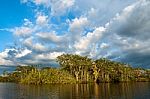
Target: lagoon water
point(138, 90)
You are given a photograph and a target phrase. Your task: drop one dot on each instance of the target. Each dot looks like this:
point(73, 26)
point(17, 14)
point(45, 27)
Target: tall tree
point(76, 65)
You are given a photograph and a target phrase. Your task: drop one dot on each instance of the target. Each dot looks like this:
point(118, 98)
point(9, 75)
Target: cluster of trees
point(85, 69)
point(77, 69)
point(34, 75)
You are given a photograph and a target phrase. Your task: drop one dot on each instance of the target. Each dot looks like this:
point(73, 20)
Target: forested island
point(77, 69)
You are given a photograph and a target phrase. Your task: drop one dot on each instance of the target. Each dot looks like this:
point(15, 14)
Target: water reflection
point(76, 91)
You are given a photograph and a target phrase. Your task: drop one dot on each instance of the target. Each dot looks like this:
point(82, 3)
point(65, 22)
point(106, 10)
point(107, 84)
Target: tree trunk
point(77, 75)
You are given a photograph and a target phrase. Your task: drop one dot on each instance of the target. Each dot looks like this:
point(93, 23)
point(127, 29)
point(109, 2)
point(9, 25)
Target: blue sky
point(37, 31)
point(12, 13)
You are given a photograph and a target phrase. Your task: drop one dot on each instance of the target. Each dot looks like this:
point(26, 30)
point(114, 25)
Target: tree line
point(85, 69)
point(77, 69)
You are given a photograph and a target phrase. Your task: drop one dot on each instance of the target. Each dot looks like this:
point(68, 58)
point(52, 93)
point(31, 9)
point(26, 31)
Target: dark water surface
point(139, 90)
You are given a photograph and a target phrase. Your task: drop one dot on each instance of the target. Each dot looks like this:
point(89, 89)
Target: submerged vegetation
point(77, 69)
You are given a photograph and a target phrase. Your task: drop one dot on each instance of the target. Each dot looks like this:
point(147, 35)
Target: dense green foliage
point(32, 75)
point(76, 65)
point(47, 76)
point(77, 69)
point(101, 70)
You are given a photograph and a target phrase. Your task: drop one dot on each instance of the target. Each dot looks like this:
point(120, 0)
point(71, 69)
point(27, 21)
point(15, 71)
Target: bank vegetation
point(77, 69)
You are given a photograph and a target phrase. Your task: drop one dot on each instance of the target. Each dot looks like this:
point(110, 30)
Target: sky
point(37, 31)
